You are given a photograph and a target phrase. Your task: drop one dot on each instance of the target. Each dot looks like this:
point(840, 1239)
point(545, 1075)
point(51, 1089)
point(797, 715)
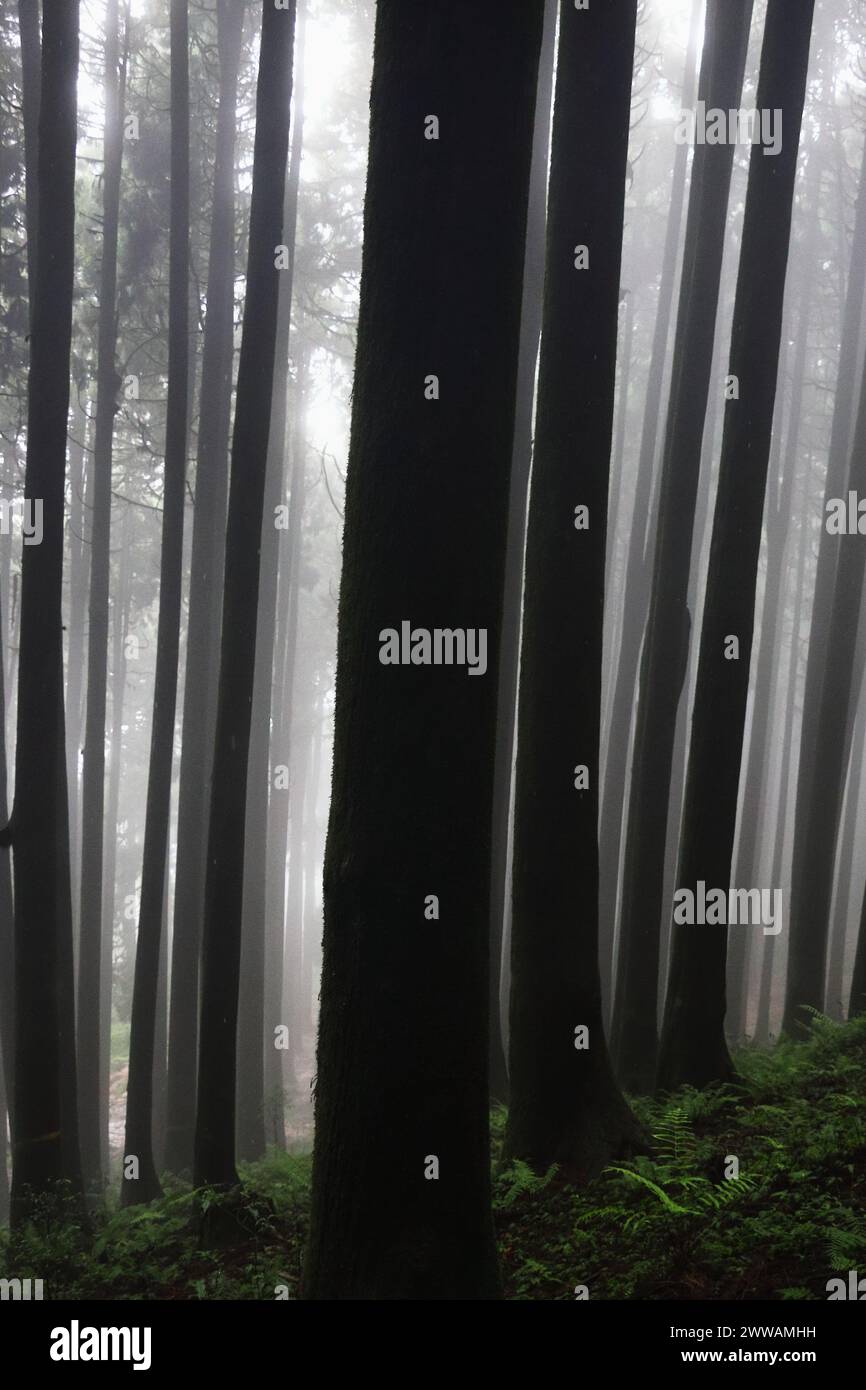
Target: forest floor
point(670, 1226)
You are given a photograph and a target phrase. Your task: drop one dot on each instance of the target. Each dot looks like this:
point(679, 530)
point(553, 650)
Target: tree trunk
point(7, 953)
point(205, 610)
point(121, 606)
point(565, 1106)
point(92, 1065)
point(693, 1050)
point(79, 573)
point(278, 1072)
point(663, 658)
point(762, 1023)
point(214, 1162)
point(521, 458)
point(778, 508)
point(140, 1183)
point(830, 676)
point(312, 921)
point(627, 655)
point(834, 1005)
point(44, 1152)
point(403, 1035)
point(252, 1039)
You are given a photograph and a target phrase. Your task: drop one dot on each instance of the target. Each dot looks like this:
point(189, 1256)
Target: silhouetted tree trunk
point(777, 512)
point(636, 581)
point(634, 1039)
point(530, 330)
point(762, 1024)
point(401, 1086)
point(205, 609)
point(214, 1162)
point(278, 1071)
point(28, 30)
point(4, 1173)
point(835, 1005)
point(93, 1067)
point(312, 922)
point(120, 628)
point(565, 1106)
point(45, 1130)
point(693, 1050)
point(252, 1037)
point(857, 1000)
point(79, 573)
point(295, 889)
point(7, 955)
point(830, 679)
point(139, 1098)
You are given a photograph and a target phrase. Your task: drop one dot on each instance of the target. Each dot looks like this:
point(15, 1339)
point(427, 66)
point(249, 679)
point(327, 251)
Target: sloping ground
point(687, 1224)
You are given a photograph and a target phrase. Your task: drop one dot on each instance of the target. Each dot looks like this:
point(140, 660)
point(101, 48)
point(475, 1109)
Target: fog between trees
point(431, 576)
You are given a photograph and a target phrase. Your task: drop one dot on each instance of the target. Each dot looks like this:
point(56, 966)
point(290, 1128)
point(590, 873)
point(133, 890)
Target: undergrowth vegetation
point(752, 1191)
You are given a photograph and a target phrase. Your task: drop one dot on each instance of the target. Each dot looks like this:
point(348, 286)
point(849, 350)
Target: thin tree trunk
point(828, 678)
point(835, 1005)
point(664, 655)
point(312, 924)
point(79, 568)
point(205, 610)
point(92, 1065)
point(142, 1183)
point(278, 1070)
point(214, 1152)
point(635, 583)
point(521, 458)
point(122, 604)
point(7, 952)
point(762, 1023)
point(251, 1020)
point(693, 1050)
point(778, 514)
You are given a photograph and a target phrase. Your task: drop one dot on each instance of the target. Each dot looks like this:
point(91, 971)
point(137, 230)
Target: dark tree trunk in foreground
point(634, 1040)
point(830, 674)
point(44, 1154)
point(693, 1050)
point(214, 1160)
point(205, 610)
point(530, 330)
point(565, 1106)
point(636, 581)
point(401, 1182)
point(91, 1063)
point(139, 1097)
